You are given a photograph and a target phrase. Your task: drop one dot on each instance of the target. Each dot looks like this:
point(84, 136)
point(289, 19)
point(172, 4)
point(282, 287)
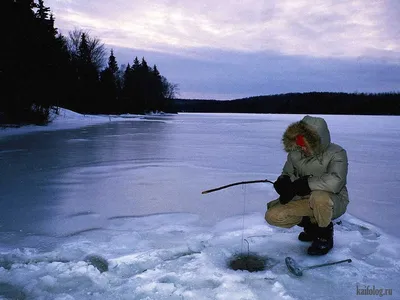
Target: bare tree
point(170, 90)
point(97, 50)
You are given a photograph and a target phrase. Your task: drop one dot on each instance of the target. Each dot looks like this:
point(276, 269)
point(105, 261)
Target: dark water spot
point(6, 264)
point(11, 292)
point(144, 215)
point(72, 234)
point(79, 214)
point(98, 262)
point(251, 262)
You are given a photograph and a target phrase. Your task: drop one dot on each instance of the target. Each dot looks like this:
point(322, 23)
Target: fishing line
point(244, 189)
point(244, 211)
point(247, 261)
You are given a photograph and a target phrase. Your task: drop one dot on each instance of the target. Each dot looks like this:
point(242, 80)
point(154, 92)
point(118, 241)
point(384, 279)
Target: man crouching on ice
point(312, 186)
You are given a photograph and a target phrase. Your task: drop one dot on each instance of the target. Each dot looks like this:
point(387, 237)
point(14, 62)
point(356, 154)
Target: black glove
point(301, 187)
point(287, 196)
point(284, 187)
point(282, 184)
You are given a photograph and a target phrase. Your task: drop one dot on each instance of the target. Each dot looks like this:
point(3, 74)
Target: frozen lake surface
point(130, 192)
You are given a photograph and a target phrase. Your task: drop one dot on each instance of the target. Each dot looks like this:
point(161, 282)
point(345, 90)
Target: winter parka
point(327, 165)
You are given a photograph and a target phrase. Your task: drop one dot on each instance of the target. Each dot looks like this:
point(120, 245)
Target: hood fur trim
point(311, 137)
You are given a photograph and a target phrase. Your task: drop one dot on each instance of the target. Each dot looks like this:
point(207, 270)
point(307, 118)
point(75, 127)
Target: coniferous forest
point(41, 69)
point(301, 103)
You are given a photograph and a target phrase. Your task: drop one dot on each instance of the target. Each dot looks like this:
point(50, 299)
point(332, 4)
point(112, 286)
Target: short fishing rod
point(236, 183)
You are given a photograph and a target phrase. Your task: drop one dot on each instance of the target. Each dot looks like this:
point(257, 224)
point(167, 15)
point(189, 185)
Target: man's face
point(301, 142)
point(306, 151)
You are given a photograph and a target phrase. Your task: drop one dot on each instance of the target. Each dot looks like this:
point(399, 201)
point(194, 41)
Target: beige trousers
point(319, 207)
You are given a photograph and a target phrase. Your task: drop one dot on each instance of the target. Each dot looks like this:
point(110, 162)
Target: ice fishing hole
point(250, 262)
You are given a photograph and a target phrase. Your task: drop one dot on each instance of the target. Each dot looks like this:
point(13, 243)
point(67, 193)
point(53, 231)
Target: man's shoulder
point(335, 148)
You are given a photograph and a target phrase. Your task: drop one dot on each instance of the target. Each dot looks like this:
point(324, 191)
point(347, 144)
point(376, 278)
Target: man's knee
point(278, 217)
point(322, 205)
point(270, 217)
point(319, 199)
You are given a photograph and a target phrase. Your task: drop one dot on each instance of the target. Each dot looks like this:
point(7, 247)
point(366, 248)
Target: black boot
point(323, 241)
point(310, 230)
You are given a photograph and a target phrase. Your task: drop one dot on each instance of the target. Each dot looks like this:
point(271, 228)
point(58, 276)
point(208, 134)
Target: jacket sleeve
point(288, 168)
point(335, 178)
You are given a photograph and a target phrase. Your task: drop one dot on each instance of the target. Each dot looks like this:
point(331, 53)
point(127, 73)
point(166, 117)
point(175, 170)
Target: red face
point(300, 141)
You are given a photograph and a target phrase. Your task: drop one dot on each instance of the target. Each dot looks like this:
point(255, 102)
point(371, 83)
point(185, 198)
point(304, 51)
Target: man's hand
point(282, 184)
point(287, 196)
point(301, 187)
point(284, 187)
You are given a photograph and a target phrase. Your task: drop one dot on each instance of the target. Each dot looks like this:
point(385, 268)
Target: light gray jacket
point(327, 165)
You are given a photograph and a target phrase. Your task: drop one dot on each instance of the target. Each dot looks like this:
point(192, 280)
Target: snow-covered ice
point(111, 208)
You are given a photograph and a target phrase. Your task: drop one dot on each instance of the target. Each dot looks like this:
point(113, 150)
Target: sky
point(231, 49)
point(62, 238)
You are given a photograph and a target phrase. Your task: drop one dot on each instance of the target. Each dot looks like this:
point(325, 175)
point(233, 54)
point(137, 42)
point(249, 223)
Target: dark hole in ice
point(250, 262)
point(98, 262)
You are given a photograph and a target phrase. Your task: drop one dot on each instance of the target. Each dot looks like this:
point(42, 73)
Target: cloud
point(234, 74)
point(323, 28)
point(230, 49)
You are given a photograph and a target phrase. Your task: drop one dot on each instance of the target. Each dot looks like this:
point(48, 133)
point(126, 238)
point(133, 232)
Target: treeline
point(41, 69)
point(301, 103)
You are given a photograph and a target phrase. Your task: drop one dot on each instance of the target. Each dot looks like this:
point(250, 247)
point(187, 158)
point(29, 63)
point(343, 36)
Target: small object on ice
point(297, 270)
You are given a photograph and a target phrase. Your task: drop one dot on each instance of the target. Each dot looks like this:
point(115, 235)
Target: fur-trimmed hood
point(315, 132)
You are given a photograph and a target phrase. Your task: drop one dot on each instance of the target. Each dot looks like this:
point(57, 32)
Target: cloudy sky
point(228, 49)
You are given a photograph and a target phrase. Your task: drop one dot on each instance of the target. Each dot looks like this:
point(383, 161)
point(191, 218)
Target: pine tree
point(157, 90)
point(113, 66)
point(87, 77)
point(136, 87)
point(112, 63)
point(109, 87)
point(144, 66)
point(136, 64)
point(84, 55)
point(127, 91)
point(42, 11)
point(31, 69)
point(144, 95)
